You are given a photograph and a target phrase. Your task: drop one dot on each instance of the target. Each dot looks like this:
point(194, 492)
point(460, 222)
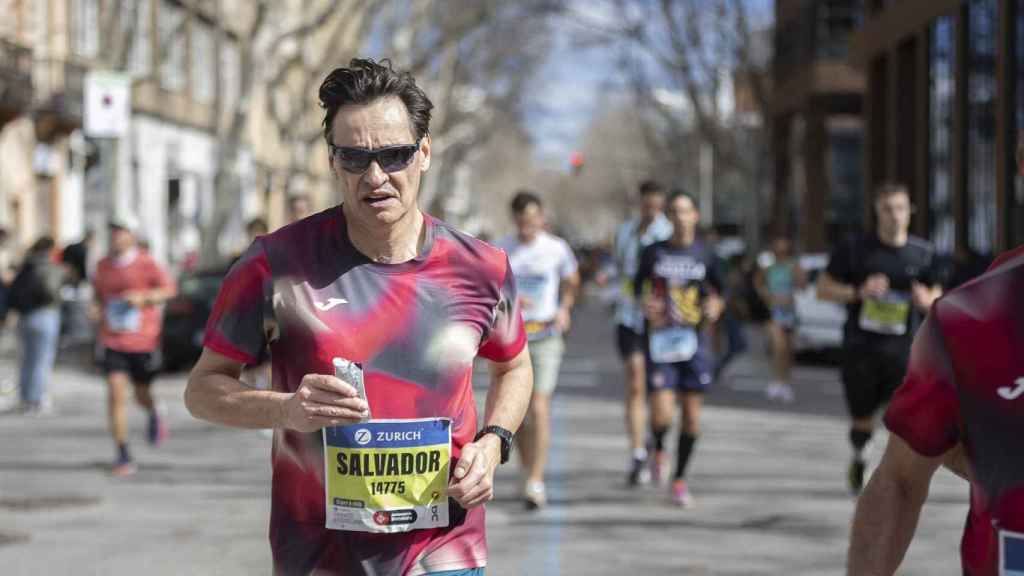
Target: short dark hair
point(649, 187)
point(366, 81)
point(677, 194)
point(255, 223)
point(886, 189)
point(43, 245)
point(522, 200)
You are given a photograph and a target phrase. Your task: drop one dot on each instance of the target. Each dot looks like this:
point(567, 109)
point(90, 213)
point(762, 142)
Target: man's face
point(121, 240)
point(530, 221)
point(377, 198)
point(651, 205)
point(781, 248)
point(683, 215)
point(893, 213)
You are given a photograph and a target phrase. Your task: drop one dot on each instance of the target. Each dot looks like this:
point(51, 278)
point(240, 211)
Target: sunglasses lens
point(354, 160)
point(394, 159)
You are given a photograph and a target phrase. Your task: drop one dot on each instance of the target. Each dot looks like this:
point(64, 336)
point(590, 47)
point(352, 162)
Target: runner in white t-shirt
point(546, 281)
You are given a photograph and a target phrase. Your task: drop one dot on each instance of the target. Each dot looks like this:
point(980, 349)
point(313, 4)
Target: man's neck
point(684, 238)
point(645, 223)
point(527, 238)
point(400, 242)
point(895, 239)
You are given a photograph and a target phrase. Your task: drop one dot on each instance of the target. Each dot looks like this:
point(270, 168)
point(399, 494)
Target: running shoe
point(780, 391)
point(534, 496)
point(681, 494)
point(157, 429)
point(123, 467)
point(855, 475)
point(639, 474)
point(659, 468)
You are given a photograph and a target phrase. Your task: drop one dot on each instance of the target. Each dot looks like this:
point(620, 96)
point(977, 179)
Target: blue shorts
point(694, 375)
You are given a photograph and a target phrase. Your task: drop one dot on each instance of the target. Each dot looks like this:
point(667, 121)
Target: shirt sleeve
point(568, 265)
point(507, 336)
point(839, 263)
point(644, 270)
point(925, 410)
point(714, 267)
point(236, 325)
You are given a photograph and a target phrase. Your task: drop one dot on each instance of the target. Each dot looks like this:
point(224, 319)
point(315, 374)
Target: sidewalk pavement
point(770, 490)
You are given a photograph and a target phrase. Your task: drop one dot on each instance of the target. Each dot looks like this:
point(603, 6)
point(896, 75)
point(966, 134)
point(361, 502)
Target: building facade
point(944, 108)
point(816, 122)
point(182, 58)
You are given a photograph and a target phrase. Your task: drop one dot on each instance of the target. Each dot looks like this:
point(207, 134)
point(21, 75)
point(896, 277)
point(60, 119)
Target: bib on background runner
point(673, 344)
point(123, 317)
point(888, 315)
point(1011, 553)
point(388, 476)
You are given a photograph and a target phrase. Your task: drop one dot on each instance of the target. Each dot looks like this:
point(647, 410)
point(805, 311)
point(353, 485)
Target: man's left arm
point(507, 401)
point(927, 289)
point(161, 289)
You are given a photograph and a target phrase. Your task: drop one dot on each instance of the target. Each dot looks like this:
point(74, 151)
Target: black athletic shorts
point(872, 372)
point(142, 367)
point(629, 341)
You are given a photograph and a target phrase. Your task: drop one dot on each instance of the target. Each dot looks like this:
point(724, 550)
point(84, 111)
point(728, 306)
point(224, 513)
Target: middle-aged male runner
point(547, 279)
point(888, 281)
point(129, 286)
point(962, 404)
point(678, 283)
point(373, 287)
point(633, 236)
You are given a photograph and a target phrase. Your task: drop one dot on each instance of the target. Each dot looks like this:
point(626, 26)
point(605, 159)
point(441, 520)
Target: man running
point(547, 279)
point(374, 313)
point(130, 286)
point(633, 236)
point(962, 404)
point(679, 286)
point(888, 281)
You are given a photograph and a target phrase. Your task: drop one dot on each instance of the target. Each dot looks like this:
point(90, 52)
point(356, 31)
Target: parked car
point(185, 317)
point(819, 323)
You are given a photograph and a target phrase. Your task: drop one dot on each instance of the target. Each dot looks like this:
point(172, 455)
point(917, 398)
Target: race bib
point(123, 317)
point(1011, 553)
point(886, 315)
point(671, 345)
point(388, 476)
point(532, 288)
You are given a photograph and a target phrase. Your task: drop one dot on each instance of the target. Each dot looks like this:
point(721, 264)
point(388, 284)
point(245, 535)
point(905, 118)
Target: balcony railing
point(15, 76)
point(821, 32)
point(59, 89)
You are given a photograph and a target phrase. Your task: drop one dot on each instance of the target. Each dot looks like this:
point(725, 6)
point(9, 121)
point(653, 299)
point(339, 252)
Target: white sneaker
point(780, 391)
point(534, 495)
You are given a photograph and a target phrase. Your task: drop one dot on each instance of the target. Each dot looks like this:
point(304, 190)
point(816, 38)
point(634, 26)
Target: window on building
point(173, 48)
point(85, 28)
point(204, 53)
point(1015, 221)
point(980, 194)
point(845, 206)
point(941, 88)
point(137, 15)
point(230, 78)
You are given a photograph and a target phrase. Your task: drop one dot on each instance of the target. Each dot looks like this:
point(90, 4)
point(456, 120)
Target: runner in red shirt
point(408, 300)
point(962, 402)
point(129, 286)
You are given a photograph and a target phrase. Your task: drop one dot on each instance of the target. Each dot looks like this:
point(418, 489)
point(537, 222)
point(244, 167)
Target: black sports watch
point(504, 435)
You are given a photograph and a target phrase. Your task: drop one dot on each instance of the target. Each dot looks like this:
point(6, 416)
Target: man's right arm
point(888, 510)
point(215, 394)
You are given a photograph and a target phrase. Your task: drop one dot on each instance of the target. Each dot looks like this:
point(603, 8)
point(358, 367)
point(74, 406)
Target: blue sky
point(571, 82)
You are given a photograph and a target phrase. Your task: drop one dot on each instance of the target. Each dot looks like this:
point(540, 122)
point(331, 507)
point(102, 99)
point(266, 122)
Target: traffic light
point(576, 162)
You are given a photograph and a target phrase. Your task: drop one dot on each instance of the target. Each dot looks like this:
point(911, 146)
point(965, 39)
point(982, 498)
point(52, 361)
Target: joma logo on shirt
point(1012, 392)
point(331, 303)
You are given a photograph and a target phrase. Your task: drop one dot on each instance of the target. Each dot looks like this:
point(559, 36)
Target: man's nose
point(375, 176)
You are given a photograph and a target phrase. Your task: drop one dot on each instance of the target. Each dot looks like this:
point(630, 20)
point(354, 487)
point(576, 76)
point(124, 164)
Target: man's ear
point(425, 152)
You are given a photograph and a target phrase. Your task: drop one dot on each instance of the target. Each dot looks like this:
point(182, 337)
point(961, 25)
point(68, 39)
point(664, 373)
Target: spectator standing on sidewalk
point(130, 286)
point(547, 279)
point(35, 296)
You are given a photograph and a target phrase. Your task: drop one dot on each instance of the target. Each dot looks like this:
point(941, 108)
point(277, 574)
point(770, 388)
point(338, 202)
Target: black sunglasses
point(390, 158)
